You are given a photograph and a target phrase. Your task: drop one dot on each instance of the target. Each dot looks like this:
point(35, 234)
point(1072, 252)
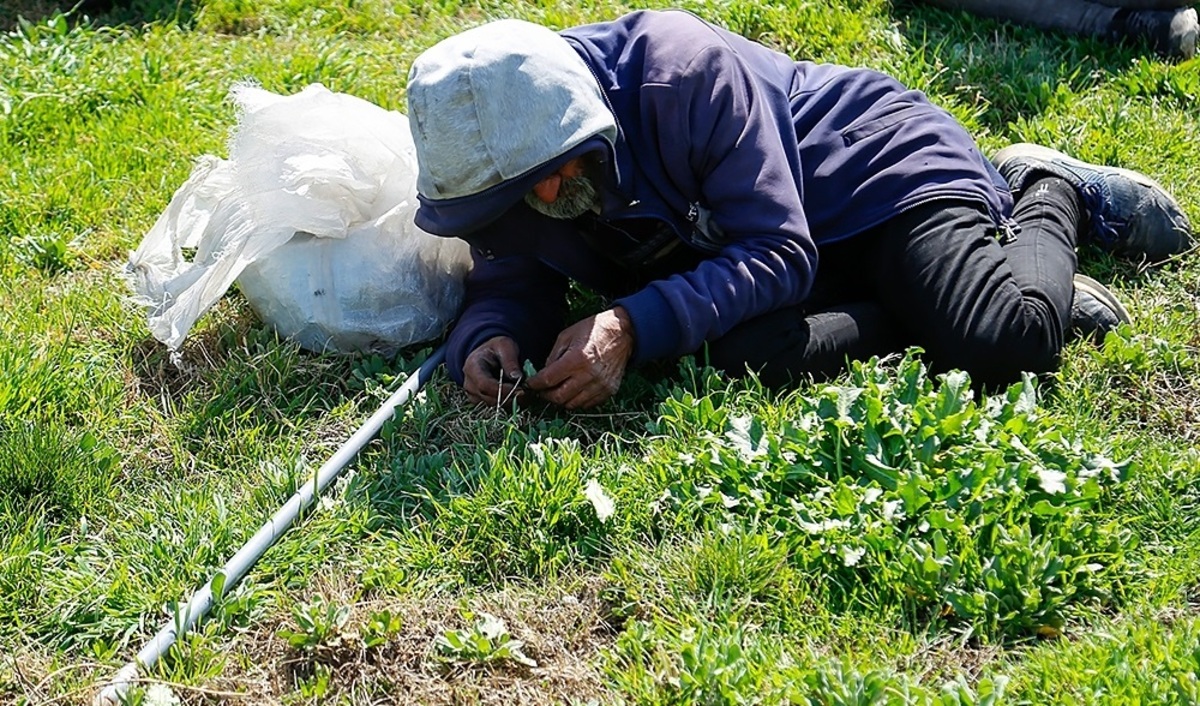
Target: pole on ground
point(245, 558)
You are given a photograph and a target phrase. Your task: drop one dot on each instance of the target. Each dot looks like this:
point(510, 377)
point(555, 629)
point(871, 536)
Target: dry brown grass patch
point(562, 630)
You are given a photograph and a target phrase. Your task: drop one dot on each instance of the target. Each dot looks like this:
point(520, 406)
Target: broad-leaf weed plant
point(892, 487)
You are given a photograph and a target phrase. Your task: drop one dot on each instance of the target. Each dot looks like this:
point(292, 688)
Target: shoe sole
point(1099, 291)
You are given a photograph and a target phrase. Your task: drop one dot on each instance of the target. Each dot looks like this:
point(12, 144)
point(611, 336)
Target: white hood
point(496, 102)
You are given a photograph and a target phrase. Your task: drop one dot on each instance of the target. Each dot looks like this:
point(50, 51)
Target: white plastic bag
point(312, 215)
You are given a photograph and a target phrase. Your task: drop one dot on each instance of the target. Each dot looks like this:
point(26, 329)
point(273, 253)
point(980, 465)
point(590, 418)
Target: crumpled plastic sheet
point(312, 215)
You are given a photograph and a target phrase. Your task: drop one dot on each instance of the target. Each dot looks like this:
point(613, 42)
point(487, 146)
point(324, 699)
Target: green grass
point(886, 539)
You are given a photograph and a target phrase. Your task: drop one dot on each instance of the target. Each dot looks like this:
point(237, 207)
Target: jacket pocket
point(888, 117)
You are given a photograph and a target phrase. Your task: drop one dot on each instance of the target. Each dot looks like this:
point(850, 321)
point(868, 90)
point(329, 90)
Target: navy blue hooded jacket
point(731, 164)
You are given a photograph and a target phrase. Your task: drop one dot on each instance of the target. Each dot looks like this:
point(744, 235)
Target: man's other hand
point(491, 373)
point(587, 363)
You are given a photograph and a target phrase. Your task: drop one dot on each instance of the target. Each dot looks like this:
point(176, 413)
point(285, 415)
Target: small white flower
point(872, 495)
point(160, 695)
point(600, 500)
point(851, 555)
point(490, 626)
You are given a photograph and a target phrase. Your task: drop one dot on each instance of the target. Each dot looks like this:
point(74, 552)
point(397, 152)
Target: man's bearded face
point(576, 196)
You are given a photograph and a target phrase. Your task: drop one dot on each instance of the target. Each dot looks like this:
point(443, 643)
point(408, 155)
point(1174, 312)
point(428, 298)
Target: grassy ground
point(887, 539)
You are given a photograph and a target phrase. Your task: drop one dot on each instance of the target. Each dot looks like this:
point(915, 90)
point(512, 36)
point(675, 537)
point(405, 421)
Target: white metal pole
point(233, 571)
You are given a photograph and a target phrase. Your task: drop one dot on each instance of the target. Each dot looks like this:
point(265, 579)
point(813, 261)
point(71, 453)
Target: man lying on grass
point(789, 215)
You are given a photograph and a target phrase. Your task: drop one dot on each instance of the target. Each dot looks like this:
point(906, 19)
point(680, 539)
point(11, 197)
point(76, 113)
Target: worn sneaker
point(1127, 213)
point(1170, 32)
point(1094, 310)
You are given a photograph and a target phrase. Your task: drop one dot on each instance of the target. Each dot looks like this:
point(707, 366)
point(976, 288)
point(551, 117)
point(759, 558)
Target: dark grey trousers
point(1087, 17)
point(937, 277)
point(1058, 14)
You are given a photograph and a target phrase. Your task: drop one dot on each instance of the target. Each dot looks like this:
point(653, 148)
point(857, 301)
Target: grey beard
point(576, 196)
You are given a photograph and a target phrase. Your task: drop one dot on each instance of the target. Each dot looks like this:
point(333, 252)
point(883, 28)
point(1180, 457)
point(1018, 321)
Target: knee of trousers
point(1000, 359)
point(1001, 343)
point(1000, 364)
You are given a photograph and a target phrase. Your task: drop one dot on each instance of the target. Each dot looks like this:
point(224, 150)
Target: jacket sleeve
point(516, 296)
point(726, 135)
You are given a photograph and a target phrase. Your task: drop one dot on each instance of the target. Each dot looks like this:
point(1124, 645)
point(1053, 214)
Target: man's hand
point(587, 363)
point(491, 373)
